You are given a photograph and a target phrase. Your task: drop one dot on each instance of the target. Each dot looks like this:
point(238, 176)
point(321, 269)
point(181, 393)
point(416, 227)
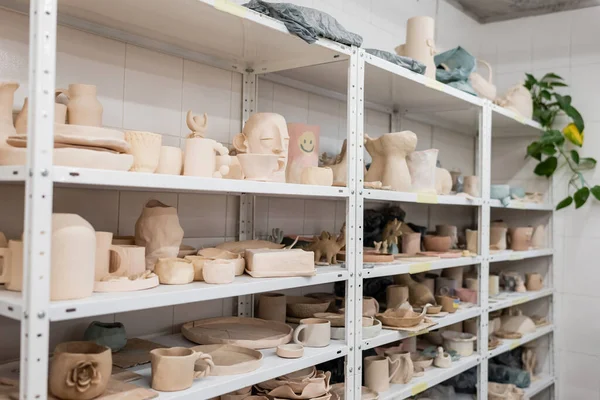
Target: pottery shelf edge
point(542, 382)
point(517, 205)
point(432, 377)
point(371, 270)
point(166, 295)
point(513, 299)
point(520, 255)
point(422, 198)
point(388, 336)
point(508, 344)
point(506, 122)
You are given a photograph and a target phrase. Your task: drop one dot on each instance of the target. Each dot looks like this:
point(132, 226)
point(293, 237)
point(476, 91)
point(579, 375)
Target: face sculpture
point(264, 133)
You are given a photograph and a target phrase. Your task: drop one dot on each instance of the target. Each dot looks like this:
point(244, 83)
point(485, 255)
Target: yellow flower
point(572, 133)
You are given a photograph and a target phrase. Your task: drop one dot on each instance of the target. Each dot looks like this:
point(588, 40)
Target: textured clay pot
point(389, 154)
point(170, 161)
point(198, 263)
point(107, 334)
point(220, 254)
point(379, 372)
point(219, 271)
point(411, 243)
point(174, 271)
point(520, 238)
point(449, 304)
point(200, 158)
point(437, 243)
point(471, 186)
point(422, 165)
point(313, 332)
point(272, 306)
point(174, 368)
point(7, 93)
point(260, 167)
point(145, 149)
point(303, 151)
point(405, 372)
point(79, 370)
point(84, 107)
point(396, 295)
point(420, 43)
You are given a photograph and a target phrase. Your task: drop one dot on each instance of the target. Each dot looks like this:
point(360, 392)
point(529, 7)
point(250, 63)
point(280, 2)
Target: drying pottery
point(455, 274)
point(113, 283)
point(471, 186)
point(501, 391)
point(520, 238)
point(260, 167)
point(3, 241)
point(242, 246)
point(421, 361)
point(200, 158)
point(437, 243)
point(185, 250)
point(336, 320)
point(265, 133)
point(371, 331)
point(419, 294)
point(126, 260)
point(498, 238)
point(472, 241)
point(339, 167)
point(462, 343)
point(272, 306)
point(241, 394)
point(83, 107)
point(405, 372)
point(502, 334)
point(442, 359)
point(106, 334)
point(509, 280)
point(420, 43)
point(466, 295)
point(145, 149)
point(290, 350)
point(198, 264)
point(411, 243)
point(235, 169)
point(370, 306)
point(263, 263)
point(230, 359)
point(159, 231)
point(515, 321)
point(443, 181)
point(60, 116)
point(499, 192)
point(483, 87)
point(303, 151)
point(332, 298)
point(472, 283)
point(448, 230)
point(495, 325)
point(396, 295)
point(389, 154)
point(170, 161)
point(430, 283)
point(517, 99)
point(538, 240)
point(305, 307)
point(379, 372)
point(535, 281)
point(102, 262)
point(173, 369)
point(339, 390)
point(433, 310)
point(315, 387)
point(422, 165)
point(328, 246)
point(313, 332)
point(449, 304)
point(402, 317)
point(175, 271)
point(219, 271)
point(317, 176)
point(12, 270)
point(73, 257)
point(79, 370)
point(218, 254)
point(252, 333)
point(494, 285)
point(7, 92)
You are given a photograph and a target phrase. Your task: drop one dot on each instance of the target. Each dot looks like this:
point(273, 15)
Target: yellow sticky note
point(231, 8)
point(427, 198)
point(421, 332)
point(433, 84)
point(519, 301)
point(518, 204)
point(418, 388)
point(515, 344)
point(455, 305)
point(419, 267)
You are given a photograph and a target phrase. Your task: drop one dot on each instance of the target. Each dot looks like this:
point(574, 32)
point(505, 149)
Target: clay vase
point(370, 306)
point(200, 158)
point(406, 370)
point(313, 332)
point(379, 372)
point(260, 167)
point(159, 231)
point(420, 43)
point(170, 161)
point(389, 154)
point(303, 150)
point(443, 181)
point(7, 92)
point(109, 334)
point(127, 260)
point(422, 165)
point(13, 266)
point(534, 281)
point(271, 307)
point(174, 271)
point(538, 240)
point(102, 262)
point(472, 241)
point(79, 370)
point(73, 257)
point(84, 107)
point(317, 176)
point(448, 230)
point(437, 243)
point(471, 186)
point(395, 296)
point(60, 116)
point(520, 238)
point(498, 238)
point(174, 368)
point(145, 149)
point(411, 243)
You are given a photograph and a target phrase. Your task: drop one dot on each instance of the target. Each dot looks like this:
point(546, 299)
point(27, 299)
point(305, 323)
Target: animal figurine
point(327, 246)
point(392, 231)
point(442, 359)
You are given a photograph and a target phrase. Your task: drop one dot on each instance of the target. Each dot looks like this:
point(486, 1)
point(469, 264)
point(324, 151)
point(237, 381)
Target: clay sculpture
point(419, 294)
point(339, 166)
point(391, 232)
point(303, 151)
point(261, 167)
point(520, 238)
point(422, 165)
point(529, 360)
point(442, 359)
point(327, 246)
point(517, 99)
point(389, 154)
point(200, 154)
point(443, 181)
point(420, 43)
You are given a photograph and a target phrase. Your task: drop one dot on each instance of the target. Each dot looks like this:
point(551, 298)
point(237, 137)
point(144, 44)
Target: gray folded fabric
point(306, 23)
point(406, 62)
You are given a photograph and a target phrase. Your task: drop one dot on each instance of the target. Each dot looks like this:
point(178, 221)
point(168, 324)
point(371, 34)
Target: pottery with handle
point(484, 87)
point(260, 167)
point(379, 372)
point(145, 149)
point(127, 260)
point(405, 372)
point(370, 306)
point(272, 306)
point(422, 165)
point(389, 154)
point(420, 43)
point(102, 262)
point(170, 161)
point(396, 295)
point(313, 332)
point(200, 158)
point(175, 368)
point(84, 107)
point(442, 359)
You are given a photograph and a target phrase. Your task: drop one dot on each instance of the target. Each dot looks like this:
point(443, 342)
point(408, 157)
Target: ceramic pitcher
point(84, 107)
point(406, 368)
point(389, 153)
point(200, 158)
point(421, 165)
point(379, 372)
point(420, 43)
point(396, 295)
point(7, 93)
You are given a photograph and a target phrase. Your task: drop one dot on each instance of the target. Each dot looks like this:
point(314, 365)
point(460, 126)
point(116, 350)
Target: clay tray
point(135, 352)
point(427, 323)
point(252, 333)
point(126, 285)
point(230, 359)
point(369, 257)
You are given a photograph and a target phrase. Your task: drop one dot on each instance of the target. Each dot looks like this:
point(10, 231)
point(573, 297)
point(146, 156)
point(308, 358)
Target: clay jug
point(422, 165)
point(272, 307)
point(538, 241)
point(200, 158)
point(498, 238)
point(389, 159)
point(158, 229)
point(484, 87)
point(406, 370)
point(60, 115)
point(534, 281)
point(84, 107)
point(13, 264)
point(420, 43)
point(520, 238)
point(395, 296)
point(411, 243)
point(7, 93)
point(370, 306)
point(303, 150)
point(379, 371)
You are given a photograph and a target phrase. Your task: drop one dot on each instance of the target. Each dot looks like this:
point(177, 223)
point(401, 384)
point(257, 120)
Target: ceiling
point(499, 10)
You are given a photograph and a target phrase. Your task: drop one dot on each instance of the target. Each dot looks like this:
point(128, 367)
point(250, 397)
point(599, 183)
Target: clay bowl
point(420, 360)
point(290, 350)
point(401, 318)
point(218, 271)
point(336, 320)
point(439, 244)
point(220, 254)
point(434, 310)
point(305, 307)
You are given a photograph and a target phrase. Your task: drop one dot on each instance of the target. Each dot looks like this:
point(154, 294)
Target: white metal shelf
point(509, 299)
point(166, 295)
point(542, 382)
point(519, 205)
point(103, 179)
point(511, 344)
point(509, 123)
point(423, 198)
point(388, 336)
point(432, 377)
point(509, 255)
point(371, 270)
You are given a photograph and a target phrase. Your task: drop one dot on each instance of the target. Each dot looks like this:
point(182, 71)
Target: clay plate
point(230, 359)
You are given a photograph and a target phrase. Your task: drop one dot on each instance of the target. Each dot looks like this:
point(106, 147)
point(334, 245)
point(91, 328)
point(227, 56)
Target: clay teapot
point(389, 154)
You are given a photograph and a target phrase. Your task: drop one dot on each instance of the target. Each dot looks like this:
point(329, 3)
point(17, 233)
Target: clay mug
point(14, 262)
point(200, 158)
point(145, 148)
point(406, 370)
point(396, 295)
point(219, 271)
point(370, 306)
point(170, 161)
point(520, 238)
point(316, 332)
point(471, 186)
point(411, 243)
point(534, 281)
point(498, 238)
point(127, 260)
point(271, 306)
point(102, 264)
point(379, 371)
point(176, 368)
point(261, 167)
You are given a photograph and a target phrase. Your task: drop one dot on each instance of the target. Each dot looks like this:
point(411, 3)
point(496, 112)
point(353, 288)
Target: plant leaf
point(558, 84)
point(564, 203)
point(545, 94)
point(552, 136)
point(575, 156)
point(586, 163)
point(581, 196)
point(551, 75)
point(576, 116)
point(546, 167)
point(596, 192)
point(535, 150)
point(549, 149)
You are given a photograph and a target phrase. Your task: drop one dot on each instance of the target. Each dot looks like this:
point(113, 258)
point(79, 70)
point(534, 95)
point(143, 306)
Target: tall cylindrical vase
point(271, 306)
point(420, 43)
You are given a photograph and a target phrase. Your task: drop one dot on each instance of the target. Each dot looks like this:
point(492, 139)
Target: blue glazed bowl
point(499, 192)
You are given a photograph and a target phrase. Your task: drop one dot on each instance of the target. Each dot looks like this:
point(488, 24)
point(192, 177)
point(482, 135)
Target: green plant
point(551, 146)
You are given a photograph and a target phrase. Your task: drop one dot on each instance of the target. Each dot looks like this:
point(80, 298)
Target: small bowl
point(305, 307)
point(290, 350)
point(336, 320)
point(434, 310)
point(437, 243)
point(421, 361)
point(218, 271)
point(499, 192)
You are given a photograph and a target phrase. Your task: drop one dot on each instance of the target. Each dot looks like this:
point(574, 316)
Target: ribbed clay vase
point(389, 154)
point(84, 107)
point(422, 165)
point(7, 93)
point(420, 43)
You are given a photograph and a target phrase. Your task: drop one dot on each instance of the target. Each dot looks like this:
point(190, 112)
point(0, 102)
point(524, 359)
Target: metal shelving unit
point(234, 38)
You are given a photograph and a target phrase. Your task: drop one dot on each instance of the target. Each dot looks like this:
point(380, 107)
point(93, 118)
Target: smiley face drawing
point(307, 142)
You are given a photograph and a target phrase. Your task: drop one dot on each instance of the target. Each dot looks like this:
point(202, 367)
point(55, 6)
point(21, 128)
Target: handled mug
point(174, 368)
point(317, 332)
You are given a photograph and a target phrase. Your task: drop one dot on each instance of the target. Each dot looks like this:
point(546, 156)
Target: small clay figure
point(392, 231)
point(327, 246)
point(196, 126)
